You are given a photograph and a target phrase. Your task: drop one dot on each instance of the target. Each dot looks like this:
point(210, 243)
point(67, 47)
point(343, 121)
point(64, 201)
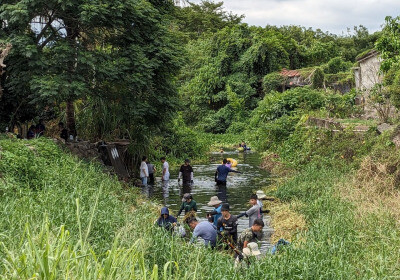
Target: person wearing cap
point(227, 224)
point(186, 171)
point(166, 221)
point(188, 204)
point(216, 213)
point(254, 212)
point(205, 230)
point(222, 173)
point(252, 234)
point(261, 195)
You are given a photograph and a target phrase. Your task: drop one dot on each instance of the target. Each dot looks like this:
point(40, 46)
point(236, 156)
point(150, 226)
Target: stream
point(237, 191)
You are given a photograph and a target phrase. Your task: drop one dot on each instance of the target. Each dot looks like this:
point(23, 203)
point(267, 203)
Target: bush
point(182, 142)
point(273, 82)
point(274, 132)
point(218, 122)
point(277, 104)
point(318, 78)
point(336, 65)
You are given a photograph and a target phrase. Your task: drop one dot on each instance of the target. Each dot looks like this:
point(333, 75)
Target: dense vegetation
point(177, 81)
point(112, 70)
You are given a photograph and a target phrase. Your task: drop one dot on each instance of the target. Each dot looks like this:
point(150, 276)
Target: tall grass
point(63, 218)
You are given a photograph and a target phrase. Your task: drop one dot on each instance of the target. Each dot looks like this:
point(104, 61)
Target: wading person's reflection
point(222, 193)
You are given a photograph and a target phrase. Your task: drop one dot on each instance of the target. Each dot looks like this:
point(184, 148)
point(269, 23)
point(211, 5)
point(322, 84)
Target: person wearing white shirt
point(144, 171)
point(165, 173)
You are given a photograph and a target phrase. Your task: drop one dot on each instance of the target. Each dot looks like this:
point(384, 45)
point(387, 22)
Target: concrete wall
point(368, 74)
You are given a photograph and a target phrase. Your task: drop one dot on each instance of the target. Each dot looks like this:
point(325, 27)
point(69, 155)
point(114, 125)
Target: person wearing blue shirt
point(166, 221)
point(222, 173)
point(205, 230)
point(216, 213)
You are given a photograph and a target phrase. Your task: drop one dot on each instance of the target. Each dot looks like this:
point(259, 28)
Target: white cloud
point(329, 15)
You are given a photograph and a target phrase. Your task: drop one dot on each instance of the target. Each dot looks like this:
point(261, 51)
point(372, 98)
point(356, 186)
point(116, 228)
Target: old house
point(292, 78)
point(367, 75)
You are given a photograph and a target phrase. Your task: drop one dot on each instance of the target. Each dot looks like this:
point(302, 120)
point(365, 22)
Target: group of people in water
point(220, 228)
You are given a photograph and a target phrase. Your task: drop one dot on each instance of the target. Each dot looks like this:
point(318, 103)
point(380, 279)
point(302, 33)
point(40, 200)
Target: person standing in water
point(144, 171)
point(152, 170)
point(186, 171)
point(165, 172)
point(227, 224)
point(216, 213)
point(222, 173)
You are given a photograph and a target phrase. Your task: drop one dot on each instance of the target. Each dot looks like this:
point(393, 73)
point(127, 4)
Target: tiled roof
point(289, 73)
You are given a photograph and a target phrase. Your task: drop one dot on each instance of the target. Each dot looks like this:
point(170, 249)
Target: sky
point(328, 15)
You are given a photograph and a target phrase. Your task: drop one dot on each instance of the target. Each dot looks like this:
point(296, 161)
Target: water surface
point(237, 191)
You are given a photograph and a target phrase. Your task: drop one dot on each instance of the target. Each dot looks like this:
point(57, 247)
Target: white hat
point(214, 201)
point(251, 250)
point(260, 194)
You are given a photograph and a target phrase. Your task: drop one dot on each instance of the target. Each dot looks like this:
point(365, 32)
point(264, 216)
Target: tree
point(206, 17)
point(388, 44)
point(120, 52)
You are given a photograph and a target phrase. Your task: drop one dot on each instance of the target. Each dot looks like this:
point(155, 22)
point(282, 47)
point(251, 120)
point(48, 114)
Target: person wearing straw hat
point(216, 213)
point(251, 252)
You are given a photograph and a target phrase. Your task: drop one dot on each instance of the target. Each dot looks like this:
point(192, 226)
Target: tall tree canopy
point(117, 58)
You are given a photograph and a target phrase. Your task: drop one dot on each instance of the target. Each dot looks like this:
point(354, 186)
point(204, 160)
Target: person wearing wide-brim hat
point(216, 213)
point(250, 252)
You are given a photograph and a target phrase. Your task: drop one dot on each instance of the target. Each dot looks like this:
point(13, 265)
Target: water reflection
point(222, 193)
point(237, 191)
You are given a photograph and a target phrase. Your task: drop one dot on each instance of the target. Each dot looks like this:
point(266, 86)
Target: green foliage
point(388, 44)
point(277, 104)
point(279, 114)
point(182, 142)
point(336, 65)
point(318, 78)
point(272, 82)
point(207, 17)
point(273, 132)
point(117, 61)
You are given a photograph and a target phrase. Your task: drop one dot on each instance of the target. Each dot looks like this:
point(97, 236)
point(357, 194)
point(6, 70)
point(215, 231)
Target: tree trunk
point(71, 118)
point(72, 35)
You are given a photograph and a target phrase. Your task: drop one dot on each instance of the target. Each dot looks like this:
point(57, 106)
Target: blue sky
point(329, 15)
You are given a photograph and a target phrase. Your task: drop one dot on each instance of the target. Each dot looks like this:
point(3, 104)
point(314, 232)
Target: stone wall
point(85, 149)
point(324, 123)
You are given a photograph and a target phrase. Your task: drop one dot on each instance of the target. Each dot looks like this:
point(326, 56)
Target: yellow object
point(233, 161)
point(241, 149)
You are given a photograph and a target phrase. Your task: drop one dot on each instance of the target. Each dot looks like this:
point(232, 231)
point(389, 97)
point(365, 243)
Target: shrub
point(318, 78)
point(277, 104)
point(272, 82)
point(336, 65)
